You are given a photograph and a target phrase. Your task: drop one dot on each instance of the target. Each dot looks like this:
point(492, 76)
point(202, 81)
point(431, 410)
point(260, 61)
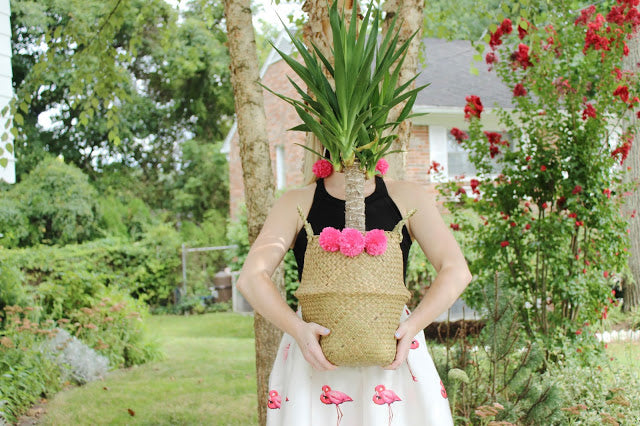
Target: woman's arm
point(442, 250)
point(266, 253)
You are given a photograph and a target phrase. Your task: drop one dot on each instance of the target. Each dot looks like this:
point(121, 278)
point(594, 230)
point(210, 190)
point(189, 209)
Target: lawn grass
point(206, 377)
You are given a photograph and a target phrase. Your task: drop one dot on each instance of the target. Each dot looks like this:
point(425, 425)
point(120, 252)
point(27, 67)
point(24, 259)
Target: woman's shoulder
point(302, 197)
point(409, 193)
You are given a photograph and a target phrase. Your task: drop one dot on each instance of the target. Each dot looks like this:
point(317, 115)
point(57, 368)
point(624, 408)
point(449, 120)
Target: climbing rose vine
point(547, 195)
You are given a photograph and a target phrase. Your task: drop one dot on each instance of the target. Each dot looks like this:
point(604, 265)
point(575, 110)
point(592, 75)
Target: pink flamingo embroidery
point(443, 391)
point(385, 396)
point(285, 352)
point(274, 400)
point(334, 397)
point(414, 344)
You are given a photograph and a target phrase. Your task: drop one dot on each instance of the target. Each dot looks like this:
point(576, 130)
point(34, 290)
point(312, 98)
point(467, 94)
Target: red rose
point(455, 226)
point(506, 26)
point(544, 205)
point(589, 111)
point(504, 243)
point(474, 185)
point(585, 15)
point(513, 224)
point(496, 38)
point(607, 192)
point(519, 90)
point(473, 108)
point(521, 56)
point(576, 189)
point(623, 92)
point(435, 166)
point(527, 226)
point(573, 215)
point(579, 223)
point(543, 168)
point(491, 58)
point(459, 135)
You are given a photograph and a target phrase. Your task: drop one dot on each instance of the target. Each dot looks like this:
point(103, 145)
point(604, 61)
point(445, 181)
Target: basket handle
point(307, 225)
point(398, 227)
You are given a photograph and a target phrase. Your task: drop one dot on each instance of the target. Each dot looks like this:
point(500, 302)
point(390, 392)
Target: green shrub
point(14, 225)
point(25, 373)
point(59, 202)
point(69, 277)
point(114, 327)
point(11, 290)
point(129, 218)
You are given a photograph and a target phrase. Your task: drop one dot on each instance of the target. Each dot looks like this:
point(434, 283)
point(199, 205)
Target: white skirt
point(413, 394)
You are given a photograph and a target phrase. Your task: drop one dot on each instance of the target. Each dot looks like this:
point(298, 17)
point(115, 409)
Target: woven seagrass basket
point(360, 299)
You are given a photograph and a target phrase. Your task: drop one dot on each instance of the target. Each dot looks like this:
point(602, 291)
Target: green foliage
point(14, 224)
point(128, 219)
point(125, 84)
point(551, 219)
point(349, 116)
point(11, 290)
point(70, 277)
point(238, 235)
point(58, 202)
point(114, 327)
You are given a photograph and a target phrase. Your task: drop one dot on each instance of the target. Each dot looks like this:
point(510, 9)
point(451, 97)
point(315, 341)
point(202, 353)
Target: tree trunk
point(632, 288)
point(354, 197)
point(257, 174)
point(409, 20)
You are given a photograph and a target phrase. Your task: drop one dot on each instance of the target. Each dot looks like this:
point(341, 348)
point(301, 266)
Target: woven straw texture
point(360, 299)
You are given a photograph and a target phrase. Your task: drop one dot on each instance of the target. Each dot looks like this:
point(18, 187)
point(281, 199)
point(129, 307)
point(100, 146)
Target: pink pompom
point(375, 242)
point(329, 239)
point(351, 242)
point(382, 166)
point(322, 168)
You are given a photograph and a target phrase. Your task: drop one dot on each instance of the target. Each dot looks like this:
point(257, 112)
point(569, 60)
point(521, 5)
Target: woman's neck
point(334, 184)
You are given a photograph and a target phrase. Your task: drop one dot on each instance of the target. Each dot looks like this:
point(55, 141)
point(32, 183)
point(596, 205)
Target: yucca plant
point(348, 111)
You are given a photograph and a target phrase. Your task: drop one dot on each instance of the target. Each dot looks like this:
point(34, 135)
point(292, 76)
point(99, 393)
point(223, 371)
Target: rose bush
point(549, 197)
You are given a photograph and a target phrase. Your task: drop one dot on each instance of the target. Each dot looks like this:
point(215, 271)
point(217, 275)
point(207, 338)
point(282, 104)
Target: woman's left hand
point(404, 335)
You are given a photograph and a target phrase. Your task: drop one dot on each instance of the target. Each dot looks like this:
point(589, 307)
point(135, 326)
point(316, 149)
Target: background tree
point(256, 166)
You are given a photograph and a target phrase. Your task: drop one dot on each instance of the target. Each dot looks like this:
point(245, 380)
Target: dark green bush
point(59, 202)
point(14, 225)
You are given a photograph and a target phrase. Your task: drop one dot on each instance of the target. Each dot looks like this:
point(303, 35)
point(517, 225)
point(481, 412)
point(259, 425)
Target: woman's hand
point(404, 335)
point(308, 336)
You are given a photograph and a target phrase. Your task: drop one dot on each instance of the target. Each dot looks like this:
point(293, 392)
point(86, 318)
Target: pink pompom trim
point(382, 166)
point(322, 168)
point(375, 242)
point(351, 242)
point(329, 239)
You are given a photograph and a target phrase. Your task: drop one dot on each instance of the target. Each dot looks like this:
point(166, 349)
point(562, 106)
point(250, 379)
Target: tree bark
point(354, 197)
point(256, 166)
point(409, 19)
point(632, 287)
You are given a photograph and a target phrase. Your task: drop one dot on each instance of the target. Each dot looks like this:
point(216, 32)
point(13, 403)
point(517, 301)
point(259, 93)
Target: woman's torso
point(380, 210)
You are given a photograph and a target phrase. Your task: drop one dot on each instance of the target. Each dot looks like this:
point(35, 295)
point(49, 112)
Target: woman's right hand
point(308, 336)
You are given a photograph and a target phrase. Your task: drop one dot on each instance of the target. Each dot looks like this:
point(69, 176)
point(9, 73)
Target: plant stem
point(354, 197)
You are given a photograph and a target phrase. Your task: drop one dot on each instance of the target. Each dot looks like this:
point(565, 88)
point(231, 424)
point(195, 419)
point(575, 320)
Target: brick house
point(447, 68)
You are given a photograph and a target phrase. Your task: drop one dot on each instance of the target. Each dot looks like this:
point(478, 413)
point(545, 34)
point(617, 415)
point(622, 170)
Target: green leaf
point(474, 70)
point(9, 147)
point(4, 162)
point(19, 119)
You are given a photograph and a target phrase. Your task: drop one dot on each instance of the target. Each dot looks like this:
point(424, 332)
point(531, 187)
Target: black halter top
point(380, 212)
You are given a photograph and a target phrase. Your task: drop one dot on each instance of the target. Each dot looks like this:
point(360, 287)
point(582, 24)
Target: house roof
point(447, 69)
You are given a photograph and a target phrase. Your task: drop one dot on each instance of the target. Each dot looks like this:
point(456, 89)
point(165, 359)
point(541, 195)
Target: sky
point(267, 9)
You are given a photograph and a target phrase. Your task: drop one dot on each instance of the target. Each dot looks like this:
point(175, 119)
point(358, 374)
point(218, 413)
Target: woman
point(304, 384)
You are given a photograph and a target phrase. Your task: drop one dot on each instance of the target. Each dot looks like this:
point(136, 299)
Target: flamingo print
point(414, 344)
point(274, 400)
point(329, 397)
point(443, 391)
point(385, 396)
